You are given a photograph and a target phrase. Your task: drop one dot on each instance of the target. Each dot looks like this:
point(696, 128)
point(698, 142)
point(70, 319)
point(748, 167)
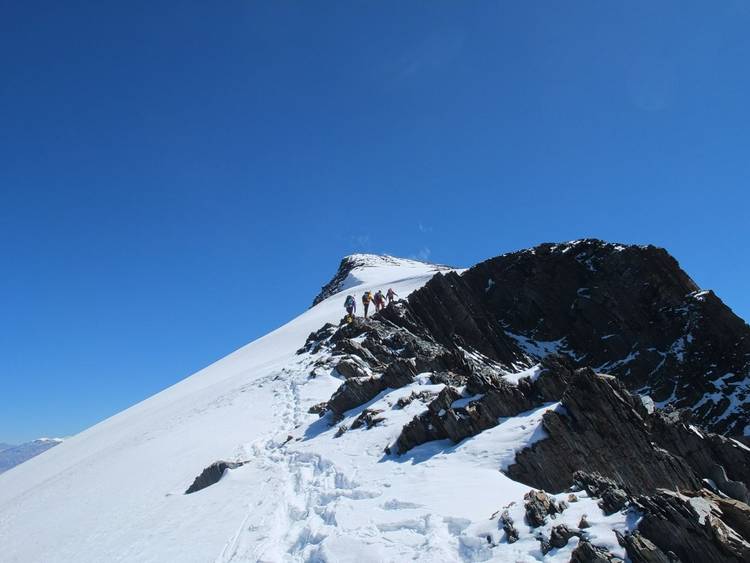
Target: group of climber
point(350, 304)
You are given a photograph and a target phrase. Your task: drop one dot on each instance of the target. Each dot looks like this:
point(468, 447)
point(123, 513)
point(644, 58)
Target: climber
point(351, 307)
point(391, 295)
point(379, 301)
point(366, 298)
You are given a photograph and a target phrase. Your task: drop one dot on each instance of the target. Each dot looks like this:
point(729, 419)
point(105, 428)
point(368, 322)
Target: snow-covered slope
point(313, 488)
point(115, 491)
point(10, 456)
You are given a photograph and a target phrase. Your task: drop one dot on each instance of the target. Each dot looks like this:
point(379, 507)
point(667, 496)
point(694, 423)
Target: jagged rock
point(572, 498)
point(583, 523)
point(461, 319)
point(721, 459)
point(544, 545)
point(641, 550)
point(448, 378)
point(538, 506)
point(549, 386)
point(341, 431)
point(349, 368)
point(734, 512)
point(319, 408)
point(598, 414)
point(354, 392)
point(211, 475)
point(560, 535)
point(368, 418)
point(695, 529)
point(399, 373)
point(316, 339)
point(588, 553)
point(627, 310)
point(499, 400)
point(414, 396)
point(429, 425)
point(613, 498)
point(348, 347)
point(506, 522)
point(419, 430)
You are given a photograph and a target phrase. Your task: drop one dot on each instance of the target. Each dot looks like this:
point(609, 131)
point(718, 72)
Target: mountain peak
point(359, 269)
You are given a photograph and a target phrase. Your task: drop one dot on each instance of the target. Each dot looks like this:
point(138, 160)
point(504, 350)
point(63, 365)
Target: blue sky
point(178, 179)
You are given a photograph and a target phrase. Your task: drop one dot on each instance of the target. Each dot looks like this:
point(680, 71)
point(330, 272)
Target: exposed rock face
point(600, 413)
point(641, 550)
point(506, 522)
point(497, 399)
point(625, 310)
point(613, 498)
point(560, 536)
point(368, 419)
point(587, 553)
point(335, 285)
point(211, 475)
point(721, 459)
point(695, 528)
point(538, 506)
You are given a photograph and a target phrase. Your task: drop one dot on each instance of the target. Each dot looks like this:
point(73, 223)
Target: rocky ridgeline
point(576, 310)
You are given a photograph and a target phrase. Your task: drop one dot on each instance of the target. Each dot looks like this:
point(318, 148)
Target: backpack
point(349, 301)
point(366, 297)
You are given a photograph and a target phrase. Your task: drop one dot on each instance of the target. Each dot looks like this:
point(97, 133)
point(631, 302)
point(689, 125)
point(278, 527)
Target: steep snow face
point(308, 491)
point(368, 269)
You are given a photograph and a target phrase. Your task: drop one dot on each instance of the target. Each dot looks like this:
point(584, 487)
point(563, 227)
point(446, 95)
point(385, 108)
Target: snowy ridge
point(340, 487)
point(303, 495)
point(368, 269)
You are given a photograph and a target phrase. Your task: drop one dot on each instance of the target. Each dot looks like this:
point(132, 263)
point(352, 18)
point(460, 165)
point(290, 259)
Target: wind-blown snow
point(115, 491)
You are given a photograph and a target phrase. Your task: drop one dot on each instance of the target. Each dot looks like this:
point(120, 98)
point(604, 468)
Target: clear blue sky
point(176, 179)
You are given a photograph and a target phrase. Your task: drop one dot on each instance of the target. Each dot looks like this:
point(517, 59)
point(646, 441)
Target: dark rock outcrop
point(560, 535)
point(350, 367)
point(588, 553)
point(723, 460)
point(599, 413)
point(539, 505)
point(496, 399)
point(506, 522)
point(212, 475)
point(613, 498)
point(368, 418)
point(625, 310)
point(641, 550)
point(694, 528)
point(354, 392)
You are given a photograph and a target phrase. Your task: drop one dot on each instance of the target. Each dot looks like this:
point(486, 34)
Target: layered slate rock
point(629, 311)
point(601, 428)
point(496, 399)
point(696, 527)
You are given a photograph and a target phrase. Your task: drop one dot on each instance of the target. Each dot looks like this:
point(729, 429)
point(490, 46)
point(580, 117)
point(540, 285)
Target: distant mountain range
point(10, 455)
